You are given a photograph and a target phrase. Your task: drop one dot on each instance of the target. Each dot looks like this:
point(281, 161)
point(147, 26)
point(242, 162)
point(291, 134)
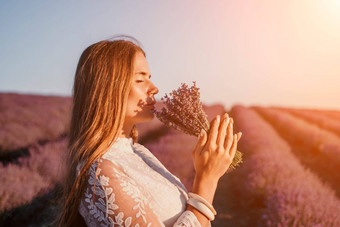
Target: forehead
point(140, 63)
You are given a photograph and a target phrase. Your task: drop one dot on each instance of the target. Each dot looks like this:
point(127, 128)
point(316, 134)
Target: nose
point(153, 89)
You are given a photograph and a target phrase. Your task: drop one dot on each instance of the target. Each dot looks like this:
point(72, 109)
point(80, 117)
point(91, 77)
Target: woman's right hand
point(212, 156)
point(214, 153)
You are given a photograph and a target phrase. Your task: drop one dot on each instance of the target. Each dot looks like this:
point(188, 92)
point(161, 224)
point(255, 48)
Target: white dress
point(132, 188)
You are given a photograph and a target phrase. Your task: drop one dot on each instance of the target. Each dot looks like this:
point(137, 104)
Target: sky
point(262, 52)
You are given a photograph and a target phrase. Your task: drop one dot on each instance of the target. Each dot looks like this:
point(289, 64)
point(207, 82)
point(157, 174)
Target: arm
point(112, 198)
point(212, 157)
point(116, 199)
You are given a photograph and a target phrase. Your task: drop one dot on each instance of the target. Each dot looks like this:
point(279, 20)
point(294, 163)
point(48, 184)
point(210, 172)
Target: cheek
point(135, 98)
point(134, 93)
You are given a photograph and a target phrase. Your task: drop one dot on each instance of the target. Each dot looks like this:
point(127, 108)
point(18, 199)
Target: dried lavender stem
point(198, 120)
point(185, 113)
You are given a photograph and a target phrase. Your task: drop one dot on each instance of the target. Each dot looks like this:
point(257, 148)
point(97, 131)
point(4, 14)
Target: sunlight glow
point(331, 9)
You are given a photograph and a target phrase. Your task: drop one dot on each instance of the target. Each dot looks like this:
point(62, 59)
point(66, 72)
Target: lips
point(151, 105)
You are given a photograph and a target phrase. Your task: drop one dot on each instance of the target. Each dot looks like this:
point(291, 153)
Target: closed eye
point(139, 81)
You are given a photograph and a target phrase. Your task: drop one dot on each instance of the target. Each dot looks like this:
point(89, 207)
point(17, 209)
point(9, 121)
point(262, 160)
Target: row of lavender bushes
point(335, 114)
point(28, 119)
point(32, 176)
point(323, 121)
point(326, 142)
point(316, 147)
point(283, 192)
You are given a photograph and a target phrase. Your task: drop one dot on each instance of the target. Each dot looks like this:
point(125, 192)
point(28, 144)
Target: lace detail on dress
point(104, 208)
point(132, 188)
point(187, 219)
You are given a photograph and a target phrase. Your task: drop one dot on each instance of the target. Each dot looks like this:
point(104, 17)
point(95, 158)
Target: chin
point(146, 118)
point(150, 118)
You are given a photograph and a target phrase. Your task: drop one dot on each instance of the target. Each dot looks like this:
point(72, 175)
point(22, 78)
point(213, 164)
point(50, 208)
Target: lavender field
point(290, 175)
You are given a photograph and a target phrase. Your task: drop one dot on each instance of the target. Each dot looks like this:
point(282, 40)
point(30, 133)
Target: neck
point(125, 132)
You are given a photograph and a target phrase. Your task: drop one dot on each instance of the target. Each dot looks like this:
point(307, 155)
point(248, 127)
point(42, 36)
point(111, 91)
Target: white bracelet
point(201, 207)
point(201, 199)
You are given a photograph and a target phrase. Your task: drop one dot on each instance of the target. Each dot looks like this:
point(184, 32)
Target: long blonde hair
point(101, 87)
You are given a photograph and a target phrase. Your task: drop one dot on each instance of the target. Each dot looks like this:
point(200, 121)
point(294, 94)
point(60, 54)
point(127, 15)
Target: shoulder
point(148, 156)
point(139, 146)
point(119, 150)
point(141, 149)
point(105, 172)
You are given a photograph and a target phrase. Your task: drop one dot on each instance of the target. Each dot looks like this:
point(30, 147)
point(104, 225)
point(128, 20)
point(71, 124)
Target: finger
point(222, 130)
point(233, 147)
point(202, 139)
point(229, 138)
point(213, 130)
point(239, 135)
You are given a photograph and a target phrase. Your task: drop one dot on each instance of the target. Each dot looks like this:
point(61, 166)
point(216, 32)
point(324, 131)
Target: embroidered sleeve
point(112, 198)
point(187, 219)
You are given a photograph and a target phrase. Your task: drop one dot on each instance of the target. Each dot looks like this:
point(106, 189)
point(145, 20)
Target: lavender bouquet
point(184, 112)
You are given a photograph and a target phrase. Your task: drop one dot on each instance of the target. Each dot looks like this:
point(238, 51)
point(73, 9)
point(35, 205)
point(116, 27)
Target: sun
point(337, 4)
point(329, 10)
point(333, 5)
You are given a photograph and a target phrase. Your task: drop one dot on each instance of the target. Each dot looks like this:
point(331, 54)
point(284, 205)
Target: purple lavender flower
point(184, 112)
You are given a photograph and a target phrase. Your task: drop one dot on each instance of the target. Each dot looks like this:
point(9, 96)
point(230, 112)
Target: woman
point(114, 181)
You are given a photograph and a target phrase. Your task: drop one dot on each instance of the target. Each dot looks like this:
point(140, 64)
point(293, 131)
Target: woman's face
point(141, 99)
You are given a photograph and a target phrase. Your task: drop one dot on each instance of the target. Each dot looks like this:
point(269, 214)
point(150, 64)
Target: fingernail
point(218, 118)
point(228, 121)
point(201, 133)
